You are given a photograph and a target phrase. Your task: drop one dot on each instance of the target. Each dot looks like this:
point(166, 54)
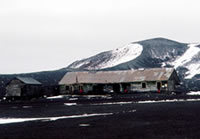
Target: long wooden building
point(141, 80)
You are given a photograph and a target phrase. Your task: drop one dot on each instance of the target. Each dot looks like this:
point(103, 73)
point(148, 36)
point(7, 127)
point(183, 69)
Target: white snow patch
point(132, 111)
point(84, 125)
point(80, 64)
point(73, 99)
point(19, 120)
point(114, 103)
point(99, 96)
point(70, 104)
point(122, 55)
point(163, 64)
point(193, 93)
point(173, 100)
point(186, 61)
point(118, 56)
point(54, 97)
point(25, 107)
point(193, 70)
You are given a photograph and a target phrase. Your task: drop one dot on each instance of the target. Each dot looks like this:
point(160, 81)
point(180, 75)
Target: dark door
point(158, 85)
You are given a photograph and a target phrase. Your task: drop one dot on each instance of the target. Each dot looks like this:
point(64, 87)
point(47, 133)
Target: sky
point(41, 35)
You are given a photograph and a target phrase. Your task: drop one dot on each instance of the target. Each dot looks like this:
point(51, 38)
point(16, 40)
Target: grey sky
point(38, 35)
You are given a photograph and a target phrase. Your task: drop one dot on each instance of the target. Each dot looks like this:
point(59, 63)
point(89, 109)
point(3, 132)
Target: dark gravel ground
point(130, 120)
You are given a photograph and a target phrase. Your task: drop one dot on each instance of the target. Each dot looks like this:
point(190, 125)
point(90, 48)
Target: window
point(151, 83)
point(136, 83)
point(143, 85)
point(67, 88)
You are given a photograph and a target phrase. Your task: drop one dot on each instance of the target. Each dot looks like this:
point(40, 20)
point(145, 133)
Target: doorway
point(158, 85)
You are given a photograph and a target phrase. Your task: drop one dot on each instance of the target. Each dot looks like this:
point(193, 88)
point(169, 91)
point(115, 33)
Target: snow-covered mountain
point(110, 58)
point(158, 52)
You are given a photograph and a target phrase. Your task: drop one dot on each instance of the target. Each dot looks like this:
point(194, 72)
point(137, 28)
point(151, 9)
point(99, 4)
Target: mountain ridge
point(152, 44)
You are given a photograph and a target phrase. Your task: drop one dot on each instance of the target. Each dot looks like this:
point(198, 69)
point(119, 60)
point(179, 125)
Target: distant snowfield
point(118, 56)
point(122, 55)
point(19, 120)
point(186, 61)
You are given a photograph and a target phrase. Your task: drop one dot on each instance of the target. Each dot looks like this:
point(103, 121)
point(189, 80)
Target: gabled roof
point(27, 80)
point(154, 74)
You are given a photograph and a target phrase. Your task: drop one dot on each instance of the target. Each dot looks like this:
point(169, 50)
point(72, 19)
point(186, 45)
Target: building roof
point(27, 80)
point(154, 74)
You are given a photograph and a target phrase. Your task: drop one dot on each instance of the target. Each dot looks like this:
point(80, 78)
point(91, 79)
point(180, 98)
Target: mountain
point(157, 52)
point(144, 54)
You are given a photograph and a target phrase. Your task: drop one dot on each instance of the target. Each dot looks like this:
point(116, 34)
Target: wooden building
point(141, 80)
point(23, 87)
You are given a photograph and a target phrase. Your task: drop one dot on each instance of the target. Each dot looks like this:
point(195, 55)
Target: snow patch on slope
point(122, 55)
point(117, 56)
point(80, 64)
point(187, 61)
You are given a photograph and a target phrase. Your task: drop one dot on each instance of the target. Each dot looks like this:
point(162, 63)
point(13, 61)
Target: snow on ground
point(186, 61)
point(193, 93)
point(122, 55)
point(114, 103)
point(118, 56)
point(26, 107)
point(193, 70)
point(98, 96)
point(148, 101)
point(84, 125)
point(19, 120)
point(73, 99)
point(54, 97)
point(132, 111)
point(70, 104)
point(173, 100)
point(80, 64)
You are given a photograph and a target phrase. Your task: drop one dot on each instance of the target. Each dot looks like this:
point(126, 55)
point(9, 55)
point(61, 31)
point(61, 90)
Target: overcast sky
point(37, 35)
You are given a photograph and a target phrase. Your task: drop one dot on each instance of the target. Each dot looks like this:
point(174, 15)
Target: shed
point(23, 87)
point(140, 80)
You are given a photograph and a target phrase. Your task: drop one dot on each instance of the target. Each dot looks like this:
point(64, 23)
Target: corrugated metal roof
point(154, 74)
point(27, 80)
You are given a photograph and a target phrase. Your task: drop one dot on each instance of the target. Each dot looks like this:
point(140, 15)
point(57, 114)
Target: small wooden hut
point(23, 87)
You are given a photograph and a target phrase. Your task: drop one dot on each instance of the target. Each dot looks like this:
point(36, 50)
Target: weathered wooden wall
point(14, 88)
point(18, 89)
